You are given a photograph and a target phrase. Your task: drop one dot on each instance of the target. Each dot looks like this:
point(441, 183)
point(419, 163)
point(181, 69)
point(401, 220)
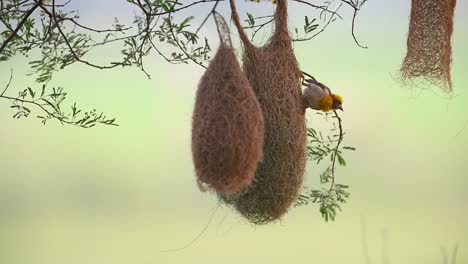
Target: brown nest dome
point(227, 127)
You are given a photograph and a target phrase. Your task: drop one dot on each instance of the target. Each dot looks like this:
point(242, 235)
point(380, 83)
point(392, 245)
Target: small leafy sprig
point(322, 148)
point(50, 102)
point(179, 36)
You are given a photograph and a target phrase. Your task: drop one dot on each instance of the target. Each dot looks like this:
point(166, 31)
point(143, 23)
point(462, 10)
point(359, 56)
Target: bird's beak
point(341, 108)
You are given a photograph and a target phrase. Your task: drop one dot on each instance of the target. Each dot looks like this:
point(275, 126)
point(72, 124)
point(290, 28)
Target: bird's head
point(331, 102)
point(337, 102)
point(326, 103)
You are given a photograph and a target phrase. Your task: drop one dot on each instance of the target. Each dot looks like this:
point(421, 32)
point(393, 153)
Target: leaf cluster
point(327, 148)
point(50, 101)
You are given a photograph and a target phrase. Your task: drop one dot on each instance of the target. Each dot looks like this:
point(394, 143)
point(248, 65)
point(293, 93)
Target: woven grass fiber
point(227, 127)
point(274, 74)
point(429, 49)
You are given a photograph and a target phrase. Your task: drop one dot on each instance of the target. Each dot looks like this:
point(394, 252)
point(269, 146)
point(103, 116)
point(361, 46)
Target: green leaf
point(349, 148)
point(341, 160)
point(31, 92)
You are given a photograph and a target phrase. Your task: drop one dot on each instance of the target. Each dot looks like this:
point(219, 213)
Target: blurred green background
point(125, 194)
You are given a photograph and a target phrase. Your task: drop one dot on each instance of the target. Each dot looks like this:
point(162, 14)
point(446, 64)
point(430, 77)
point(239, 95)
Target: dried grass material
point(274, 74)
point(227, 129)
point(429, 50)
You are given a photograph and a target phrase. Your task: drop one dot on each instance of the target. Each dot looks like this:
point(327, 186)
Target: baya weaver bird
point(318, 96)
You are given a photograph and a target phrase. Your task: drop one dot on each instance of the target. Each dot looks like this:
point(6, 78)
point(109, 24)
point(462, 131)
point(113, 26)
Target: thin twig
point(58, 5)
point(177, 40)
point(161, 54)
point(8, 84)
point(323, 8)
point(323, 28)
point(40, 106)
point(206, 18)
point(335, 153)
point(142, 7)
point(259, 27)
point(310, 76)
point(352, 29)
point(155, 48)
point(67, 42)
point(149, 20)
point(96, 30)
point(356, 6)
point(172, 10)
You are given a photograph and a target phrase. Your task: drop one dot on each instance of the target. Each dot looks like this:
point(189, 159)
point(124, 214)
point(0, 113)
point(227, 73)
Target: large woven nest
point(429, 50)
point(274, 75)
point(227, 129)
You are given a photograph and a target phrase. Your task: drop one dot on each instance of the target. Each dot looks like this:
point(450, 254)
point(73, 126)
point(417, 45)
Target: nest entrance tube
point(429, 49)
point(227, 127)
point(274, 74)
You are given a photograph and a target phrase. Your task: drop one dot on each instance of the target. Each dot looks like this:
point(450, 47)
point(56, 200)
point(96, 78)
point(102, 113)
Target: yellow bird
point(318, 96)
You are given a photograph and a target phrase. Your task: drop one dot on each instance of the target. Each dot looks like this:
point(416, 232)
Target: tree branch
point(323, 8)
point(177, 40)
point(184, 7)
point(206, 18)
point(352, 29)
point(20, 25)
point(8, 84)
point(335, 153)
point(50, 104)
point(323, 28)
point(33, 102)
point(96, 30)
point(72, 51)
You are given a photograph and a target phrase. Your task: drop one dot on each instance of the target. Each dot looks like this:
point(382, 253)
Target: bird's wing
point(325, 88)
point(313, 94)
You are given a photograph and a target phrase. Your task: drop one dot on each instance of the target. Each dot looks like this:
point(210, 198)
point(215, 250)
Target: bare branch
point(8, 84)
point(96, 30)
point(184, 7)
point(335, 153)
point(206, 18)
point(142, 8)
point(323, 8)
point(352, 29)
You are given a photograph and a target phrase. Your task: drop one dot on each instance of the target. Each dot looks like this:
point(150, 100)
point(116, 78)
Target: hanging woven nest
point(274, 74)
point(227, 128)
point(429, 48)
